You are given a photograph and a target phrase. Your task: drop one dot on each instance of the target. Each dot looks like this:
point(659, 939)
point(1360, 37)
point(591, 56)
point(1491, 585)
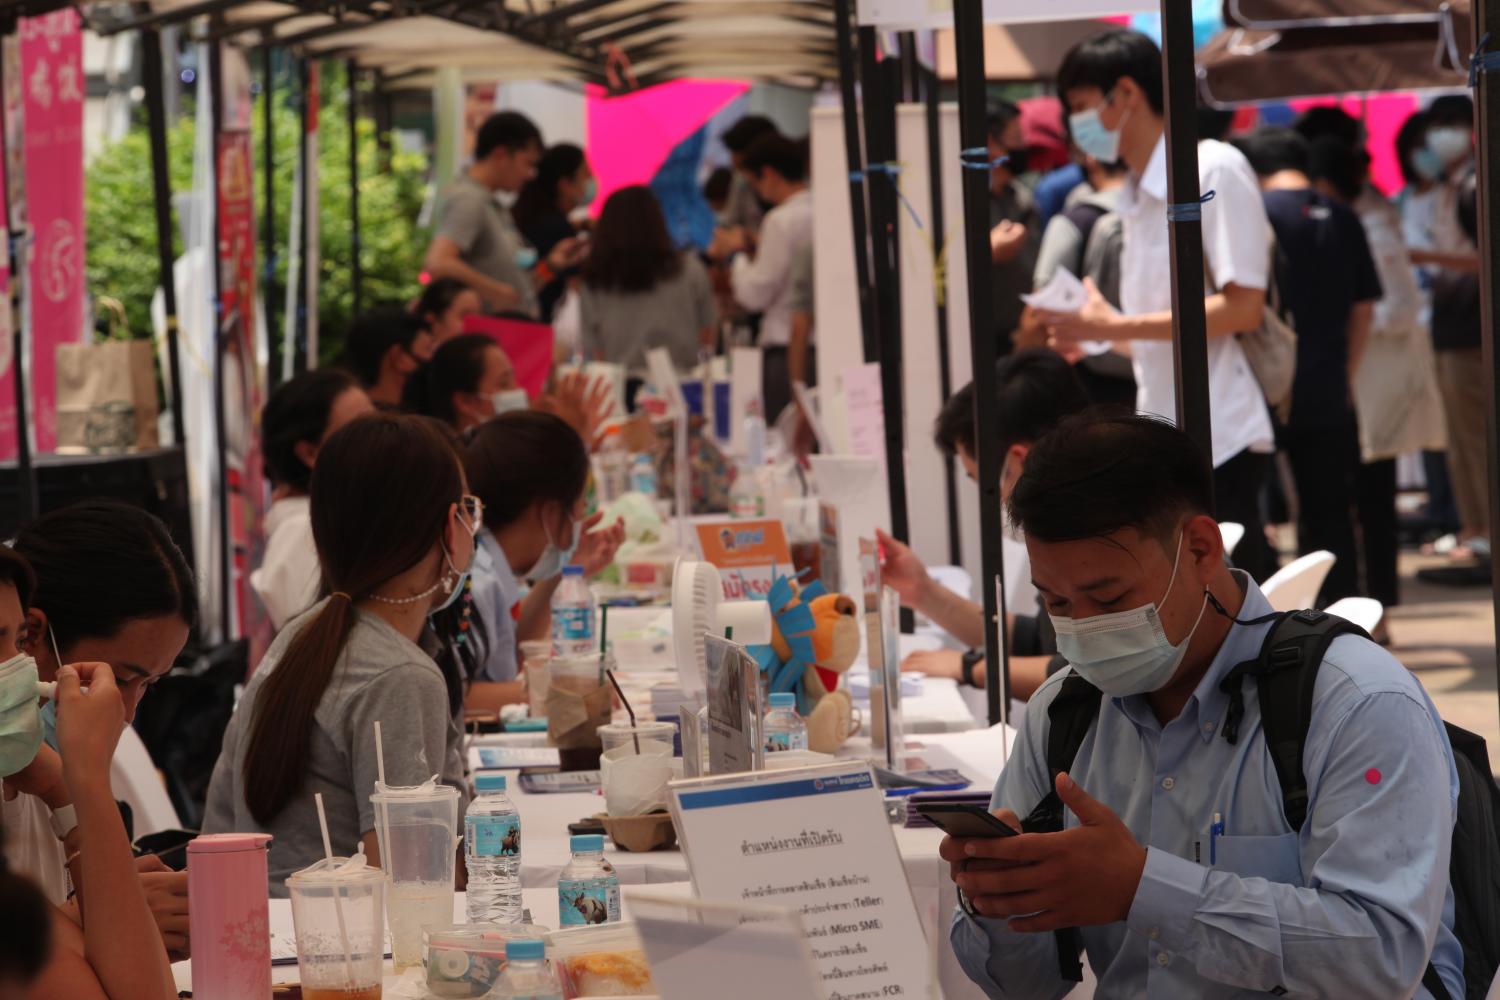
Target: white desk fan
point(698, 608)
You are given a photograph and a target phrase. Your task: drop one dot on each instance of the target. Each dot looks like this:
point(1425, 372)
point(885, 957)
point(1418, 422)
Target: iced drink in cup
point(337, 910)
point(417, 827)
point(535, 656)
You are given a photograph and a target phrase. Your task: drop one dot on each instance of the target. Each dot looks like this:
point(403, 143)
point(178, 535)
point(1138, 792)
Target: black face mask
point(1016, 161)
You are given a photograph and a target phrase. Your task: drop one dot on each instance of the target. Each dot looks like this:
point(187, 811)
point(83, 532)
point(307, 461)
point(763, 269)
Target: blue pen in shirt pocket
point(1215, 831)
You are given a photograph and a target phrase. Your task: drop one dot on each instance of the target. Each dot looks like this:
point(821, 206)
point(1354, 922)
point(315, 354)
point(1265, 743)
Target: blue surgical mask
point(1426, 163)
point(590, 192)
point(526, 257)
point(458, 586)
point(20, 721)
point(1127, 652)
point(555, 558)
point(1449, 144)
point(1090, 135)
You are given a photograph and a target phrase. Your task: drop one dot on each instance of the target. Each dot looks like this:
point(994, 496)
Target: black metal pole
point(156, 114)
point(1189, 326)
point(882, 83)
point(939, 226)
point(27, 503)
point(357, 273)
point(968, 39)
point(304, 153)
point(268, 210)
point(868, 321)
point(1487, 144)
point(221, 437)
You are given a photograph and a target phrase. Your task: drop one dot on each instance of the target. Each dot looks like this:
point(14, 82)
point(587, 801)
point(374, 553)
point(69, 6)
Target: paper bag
point(576, 708)
point(106, 396)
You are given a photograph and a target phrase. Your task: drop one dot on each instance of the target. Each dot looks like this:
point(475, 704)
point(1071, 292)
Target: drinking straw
point(628, 710)
point(379, 753)
point(603, 629)
point(338, 890)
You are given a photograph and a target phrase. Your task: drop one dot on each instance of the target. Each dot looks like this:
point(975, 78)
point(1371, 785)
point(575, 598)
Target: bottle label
point(494, 836)
point(748, 507)
point(580, 904)
point(573, 623)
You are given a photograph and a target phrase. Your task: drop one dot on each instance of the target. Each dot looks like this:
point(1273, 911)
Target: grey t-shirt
point(622, 326)
point(486, 235)
point(382, 675)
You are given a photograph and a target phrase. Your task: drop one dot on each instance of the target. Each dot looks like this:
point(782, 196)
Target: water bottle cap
point(490, 782)
point(783, 699)
point(587, 842)
point(572, 569)
point(526, 949)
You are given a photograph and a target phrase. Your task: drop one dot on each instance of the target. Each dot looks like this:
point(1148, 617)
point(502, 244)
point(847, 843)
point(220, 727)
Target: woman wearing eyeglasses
point(394, 549)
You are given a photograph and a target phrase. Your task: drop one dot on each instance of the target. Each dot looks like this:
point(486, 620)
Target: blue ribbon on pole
point(1482, 61)
point(891, 171)
point(1188, 211)
point(978, 158)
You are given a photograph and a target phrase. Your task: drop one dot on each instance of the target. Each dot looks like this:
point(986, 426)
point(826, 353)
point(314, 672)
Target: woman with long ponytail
point(394, 529)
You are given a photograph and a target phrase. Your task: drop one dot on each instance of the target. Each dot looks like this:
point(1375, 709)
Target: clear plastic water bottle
point(614, 466)
point(492, 853)
point(588, 890)
point(746, 498)
point(527, 975)
point(643, 475)
point(784, 728)
point(573, 615)
point(755, 435)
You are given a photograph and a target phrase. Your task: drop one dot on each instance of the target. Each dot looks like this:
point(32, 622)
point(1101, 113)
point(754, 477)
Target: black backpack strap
point(1434, 984)
point(1285, 673)
point(1070, 717)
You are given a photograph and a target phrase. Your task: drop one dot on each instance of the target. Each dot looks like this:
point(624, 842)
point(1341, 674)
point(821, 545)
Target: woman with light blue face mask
point(532, 472)
point(394, 524)
point(551, 208)
point(469, 380)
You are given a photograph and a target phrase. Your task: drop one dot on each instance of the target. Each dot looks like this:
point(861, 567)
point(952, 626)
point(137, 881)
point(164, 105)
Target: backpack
point(1285, 672)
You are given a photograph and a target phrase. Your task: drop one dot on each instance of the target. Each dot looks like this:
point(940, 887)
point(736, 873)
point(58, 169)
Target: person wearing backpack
point(1187, 851)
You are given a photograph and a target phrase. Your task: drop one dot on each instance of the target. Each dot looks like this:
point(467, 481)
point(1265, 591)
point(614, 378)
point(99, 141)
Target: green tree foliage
point(122, 258)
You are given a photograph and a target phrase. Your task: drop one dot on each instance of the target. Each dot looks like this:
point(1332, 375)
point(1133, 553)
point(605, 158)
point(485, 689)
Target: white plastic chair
point(135, 781)
point(1232, 532)
point(1365, 612)
point(1296, 585)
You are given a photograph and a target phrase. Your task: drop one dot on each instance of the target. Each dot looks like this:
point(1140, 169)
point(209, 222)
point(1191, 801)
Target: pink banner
point(528, 344)
point(53, 86)
point(8, 443)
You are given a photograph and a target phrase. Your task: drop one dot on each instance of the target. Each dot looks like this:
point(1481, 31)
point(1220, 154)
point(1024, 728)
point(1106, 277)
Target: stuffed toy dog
point(814, 639)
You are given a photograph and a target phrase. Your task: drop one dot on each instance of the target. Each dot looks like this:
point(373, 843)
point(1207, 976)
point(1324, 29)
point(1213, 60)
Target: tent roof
point(598, 41)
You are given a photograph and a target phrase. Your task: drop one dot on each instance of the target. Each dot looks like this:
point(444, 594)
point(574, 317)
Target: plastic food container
point(601, 961)
point(465, 960)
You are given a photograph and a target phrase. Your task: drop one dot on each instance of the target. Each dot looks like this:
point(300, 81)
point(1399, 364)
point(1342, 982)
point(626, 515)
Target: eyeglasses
point(473, 511)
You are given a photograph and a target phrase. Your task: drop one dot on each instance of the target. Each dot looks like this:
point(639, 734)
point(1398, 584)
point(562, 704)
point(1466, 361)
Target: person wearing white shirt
point(1112, 85)
point(296, 420)
point(765, 282)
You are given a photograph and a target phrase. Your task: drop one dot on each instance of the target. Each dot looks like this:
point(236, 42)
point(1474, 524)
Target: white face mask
point(1450, 144)
point(1092, 137)
point(1126, 652)
point(20, 719)
point(509, 399)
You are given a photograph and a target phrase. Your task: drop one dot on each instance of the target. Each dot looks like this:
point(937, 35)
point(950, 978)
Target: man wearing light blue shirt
point(496, 592)
point(1177, 862)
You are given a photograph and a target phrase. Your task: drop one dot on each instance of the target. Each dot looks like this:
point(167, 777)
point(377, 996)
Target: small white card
point(1063, 293)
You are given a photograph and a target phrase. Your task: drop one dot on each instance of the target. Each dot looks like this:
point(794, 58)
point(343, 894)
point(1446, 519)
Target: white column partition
point(837, 311)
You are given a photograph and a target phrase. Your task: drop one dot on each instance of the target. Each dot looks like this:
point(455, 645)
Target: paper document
point(1063, 293)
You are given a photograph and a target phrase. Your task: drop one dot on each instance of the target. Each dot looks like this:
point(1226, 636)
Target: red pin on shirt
point(1373, 775)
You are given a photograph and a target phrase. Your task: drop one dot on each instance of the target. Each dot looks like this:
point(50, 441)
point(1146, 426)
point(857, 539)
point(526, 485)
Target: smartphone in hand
point(964, 820)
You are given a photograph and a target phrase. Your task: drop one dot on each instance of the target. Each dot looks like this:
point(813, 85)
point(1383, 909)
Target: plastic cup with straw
point(338, 890)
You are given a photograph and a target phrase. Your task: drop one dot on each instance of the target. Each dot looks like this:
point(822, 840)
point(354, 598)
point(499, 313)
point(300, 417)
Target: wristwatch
point(971, 658)
point(64, 821)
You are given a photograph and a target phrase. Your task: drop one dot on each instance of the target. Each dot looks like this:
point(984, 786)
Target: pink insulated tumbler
point(227, 918)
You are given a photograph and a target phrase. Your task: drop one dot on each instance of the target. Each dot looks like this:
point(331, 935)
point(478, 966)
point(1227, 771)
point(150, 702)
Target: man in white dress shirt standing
point(1112, 85)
